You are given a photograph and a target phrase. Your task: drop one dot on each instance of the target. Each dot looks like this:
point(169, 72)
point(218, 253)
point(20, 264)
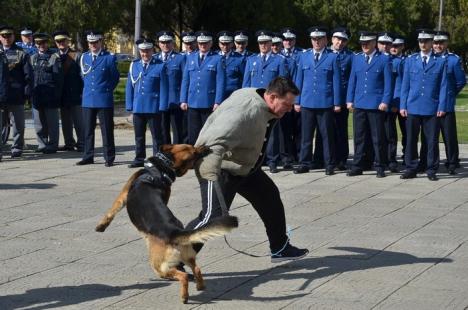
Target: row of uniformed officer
point(3, 91)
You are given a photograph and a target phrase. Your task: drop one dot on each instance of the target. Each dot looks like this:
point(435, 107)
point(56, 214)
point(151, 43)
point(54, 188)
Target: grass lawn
point(119, 92)
point(462, 99)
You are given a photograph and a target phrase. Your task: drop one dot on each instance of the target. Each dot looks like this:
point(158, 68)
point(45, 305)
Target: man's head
point(425, 40)
point(440, 43)
point(398, 45)
point(165, 41)
point(276, 43)
point(384, 42)
point(188, 41)
point(62, 39)
point(241, 39)
point(26, 35)
point(318, 37)
point(145, 48)
point(264, 41)
point(289, 36)
point(204, 40)
point(280, 96)
point(368, 41)
point(7, 36)
point(226, 41)
point(94, 39)
point(340, 37)
point(42, 41)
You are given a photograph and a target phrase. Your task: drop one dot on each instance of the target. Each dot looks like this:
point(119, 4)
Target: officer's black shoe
point(421, 169)
point(432, 177)
point(136, 165)
point(341, 167)
point(85, 162)
point(354, 172)
point(381, 174)
point(49, 151)
point(287, 166)
point(408, 175)
point(452, 171)
point(79, 149)
point(329, 171)
point(273, 168)
point(289, 253)
point(301, 169)
point(393, 168)
point(109, 163)
point(315, 166)
point(66, 148)
point(40, 150)
point(15, 154)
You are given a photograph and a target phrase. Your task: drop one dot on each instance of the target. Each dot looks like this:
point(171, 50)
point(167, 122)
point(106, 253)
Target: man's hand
point(215, 106)
point(440, 114)
point(383, 107)
point(297, 108)
point(349, 105)
point(184, 106)
point(337, 109)
point(403, 112)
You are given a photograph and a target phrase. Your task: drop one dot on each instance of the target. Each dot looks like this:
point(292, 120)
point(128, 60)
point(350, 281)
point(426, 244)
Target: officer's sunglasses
point(6, 35)
point(60, 41)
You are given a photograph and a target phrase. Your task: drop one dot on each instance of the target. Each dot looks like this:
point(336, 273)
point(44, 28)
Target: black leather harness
point(160, 174)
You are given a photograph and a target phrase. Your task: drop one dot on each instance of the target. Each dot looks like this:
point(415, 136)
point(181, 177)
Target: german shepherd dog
point(146, 195)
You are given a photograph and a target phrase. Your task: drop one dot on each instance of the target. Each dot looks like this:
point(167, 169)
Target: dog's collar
point(163, 165)
point(156, 177)
point(166, 160)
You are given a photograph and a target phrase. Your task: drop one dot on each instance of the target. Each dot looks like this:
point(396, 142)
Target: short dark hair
point(282, 86)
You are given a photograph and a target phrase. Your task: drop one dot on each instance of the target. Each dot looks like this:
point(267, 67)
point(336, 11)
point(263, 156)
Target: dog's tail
point(119, 202)
point(217, 227)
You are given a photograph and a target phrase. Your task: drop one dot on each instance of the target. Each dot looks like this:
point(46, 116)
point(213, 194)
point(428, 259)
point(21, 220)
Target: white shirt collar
point(64, 52)
point(371, 55)
point(267, 55)
point(97, 53)
point(428, 55)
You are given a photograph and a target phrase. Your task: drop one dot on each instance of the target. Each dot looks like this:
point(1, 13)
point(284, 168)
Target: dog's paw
point(201, 287)
point(101, 227)
point(184, 299)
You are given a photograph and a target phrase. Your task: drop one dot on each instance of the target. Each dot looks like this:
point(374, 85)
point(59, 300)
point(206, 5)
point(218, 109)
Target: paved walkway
point(374, 243)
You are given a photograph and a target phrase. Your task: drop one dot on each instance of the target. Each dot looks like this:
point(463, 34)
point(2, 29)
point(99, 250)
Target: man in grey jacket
point(237, 134)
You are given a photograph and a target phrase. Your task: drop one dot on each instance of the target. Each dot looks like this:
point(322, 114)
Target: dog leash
point(225, 212)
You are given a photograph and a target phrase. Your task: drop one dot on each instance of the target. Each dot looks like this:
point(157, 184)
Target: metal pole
point(137, 24)
point(441, 7)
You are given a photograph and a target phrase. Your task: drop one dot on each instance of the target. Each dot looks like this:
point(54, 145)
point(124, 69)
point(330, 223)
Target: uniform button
point(92, 89)
point(142, 93)
point(365, 92)
point(268, 125)
point(198, 91)
point(264, 139)
point(261, 154)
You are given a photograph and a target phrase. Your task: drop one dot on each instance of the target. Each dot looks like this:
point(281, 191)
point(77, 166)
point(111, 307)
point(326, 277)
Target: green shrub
point(123, 67)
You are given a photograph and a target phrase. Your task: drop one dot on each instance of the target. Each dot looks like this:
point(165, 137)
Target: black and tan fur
point(168, 242)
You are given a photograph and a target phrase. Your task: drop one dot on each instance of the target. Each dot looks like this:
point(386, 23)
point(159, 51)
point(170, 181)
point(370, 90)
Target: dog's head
point(183, 156)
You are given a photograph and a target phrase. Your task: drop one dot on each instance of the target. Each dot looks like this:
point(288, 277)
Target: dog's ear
point(166, 148)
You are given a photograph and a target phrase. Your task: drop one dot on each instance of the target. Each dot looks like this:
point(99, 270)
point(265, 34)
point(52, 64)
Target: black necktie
point(165, 57)
point(94, 58)
point(202, 58)
point(263, 58)
point(317, 55)
point(367, 59)
point(424, 61)
point(145, 66)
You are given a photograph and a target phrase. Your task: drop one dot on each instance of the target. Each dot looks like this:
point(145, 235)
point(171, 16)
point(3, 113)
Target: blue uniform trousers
point(322, 119)
point(174, 118)
point(106, 122)
point(369, 122)
point(196, 118)
point(448, 127)
point(341, 136)
point(140, 121)
point(280, 148)
point(429, 154)
point(72, 117)
point(391, 138)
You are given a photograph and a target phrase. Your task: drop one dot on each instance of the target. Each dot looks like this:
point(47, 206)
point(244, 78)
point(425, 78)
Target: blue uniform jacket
point(424, 91)
point(100, 79)
point(259, 75)
point(345, 61)
point(235, 66)
point(174, 69)
point(319, 82)
point(398, 65)
point(203, 84)
point(146, 90)
point(370, 84)
point(456, 79)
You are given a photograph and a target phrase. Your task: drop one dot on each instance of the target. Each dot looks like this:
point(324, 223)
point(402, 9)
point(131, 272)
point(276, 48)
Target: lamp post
point(441, 7)
point(137, 24)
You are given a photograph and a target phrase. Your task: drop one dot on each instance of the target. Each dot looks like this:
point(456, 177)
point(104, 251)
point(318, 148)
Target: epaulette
point(358, 53)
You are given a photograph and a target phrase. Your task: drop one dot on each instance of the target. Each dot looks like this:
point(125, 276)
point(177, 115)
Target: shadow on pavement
point(57, 297)
point(309, 269)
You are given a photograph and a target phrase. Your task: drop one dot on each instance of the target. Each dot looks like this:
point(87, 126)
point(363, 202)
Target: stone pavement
point(374, 243)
